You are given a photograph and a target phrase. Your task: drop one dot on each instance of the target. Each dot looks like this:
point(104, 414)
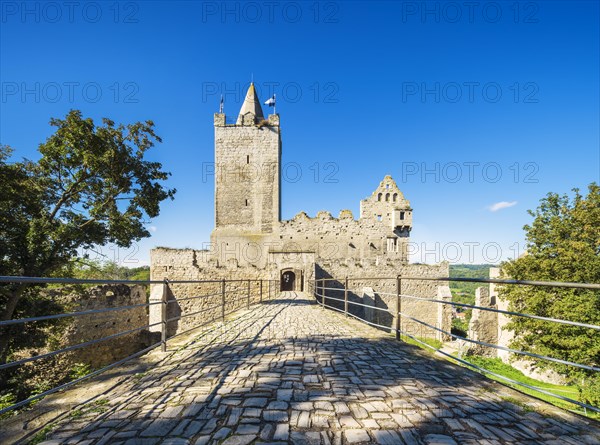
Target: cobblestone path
point(289, 371)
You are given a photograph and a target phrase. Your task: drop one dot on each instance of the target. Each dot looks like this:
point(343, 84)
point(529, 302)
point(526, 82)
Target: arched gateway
point(288, 280)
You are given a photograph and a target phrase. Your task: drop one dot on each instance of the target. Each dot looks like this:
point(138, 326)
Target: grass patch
point(98, 406)
point(7, 400)
point(497, 366)
point(526, 408)
point(140, 375)
point(75, 414)
point(40, 436)
point(437, 344)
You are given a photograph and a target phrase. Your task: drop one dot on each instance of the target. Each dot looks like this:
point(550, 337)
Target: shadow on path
point(288, 371)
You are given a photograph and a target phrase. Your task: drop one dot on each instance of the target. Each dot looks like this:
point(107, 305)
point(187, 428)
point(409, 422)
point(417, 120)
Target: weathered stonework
point(251, 242)
point(483, 326)
point(86, 328)
point(94, 326)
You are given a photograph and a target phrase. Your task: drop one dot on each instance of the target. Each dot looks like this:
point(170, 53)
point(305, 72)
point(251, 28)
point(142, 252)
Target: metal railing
point(244, 290)
point(320, 288)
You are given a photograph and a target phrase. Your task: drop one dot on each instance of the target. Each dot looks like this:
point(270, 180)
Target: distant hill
point(465, 292)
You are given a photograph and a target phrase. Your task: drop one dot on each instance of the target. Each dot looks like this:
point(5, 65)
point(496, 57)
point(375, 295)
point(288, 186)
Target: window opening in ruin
point(387, 197)
point(379, 197)
point(395, 197)
point(247, 159)
point(378, 217)
point(401, 215)
point(246, 203)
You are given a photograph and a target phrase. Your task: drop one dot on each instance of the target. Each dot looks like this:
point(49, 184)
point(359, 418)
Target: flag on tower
point(222, 104)
point(271, 101)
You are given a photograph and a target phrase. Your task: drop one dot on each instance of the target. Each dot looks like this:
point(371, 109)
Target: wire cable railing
point(322, 285)
point(253, 291)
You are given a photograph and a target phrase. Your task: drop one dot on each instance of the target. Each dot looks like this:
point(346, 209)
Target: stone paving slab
point(290, 372)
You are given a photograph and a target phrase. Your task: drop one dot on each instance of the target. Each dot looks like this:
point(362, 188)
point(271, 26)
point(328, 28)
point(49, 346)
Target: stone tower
point(247, 175)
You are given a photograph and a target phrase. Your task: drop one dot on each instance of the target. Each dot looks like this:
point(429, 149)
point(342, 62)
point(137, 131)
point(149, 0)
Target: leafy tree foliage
point(91, 186)
point(105, 270)
point(563, 244)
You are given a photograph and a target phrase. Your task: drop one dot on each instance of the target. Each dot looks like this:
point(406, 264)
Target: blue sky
point(467, 107)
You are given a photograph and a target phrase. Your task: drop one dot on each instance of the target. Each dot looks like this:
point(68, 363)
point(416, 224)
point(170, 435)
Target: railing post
point(398, 305)
point(324, 292)
point(248, 303)
point(163, 316)
point(346, 296)
point(223, 300)
point(260, 290)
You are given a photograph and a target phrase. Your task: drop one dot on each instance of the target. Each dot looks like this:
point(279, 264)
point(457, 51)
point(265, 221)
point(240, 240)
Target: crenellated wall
point(342, 237)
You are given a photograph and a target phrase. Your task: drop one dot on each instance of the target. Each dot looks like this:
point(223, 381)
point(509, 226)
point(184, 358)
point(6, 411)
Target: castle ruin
point(250, 241)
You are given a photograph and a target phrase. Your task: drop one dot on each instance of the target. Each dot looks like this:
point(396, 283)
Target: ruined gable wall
point(388, 204)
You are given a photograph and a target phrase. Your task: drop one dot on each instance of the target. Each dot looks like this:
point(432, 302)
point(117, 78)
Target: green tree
point(103, 270)
point(563, 244)
point(91, 186)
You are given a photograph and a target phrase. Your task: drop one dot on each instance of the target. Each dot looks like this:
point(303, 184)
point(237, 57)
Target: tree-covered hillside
point(463, 292)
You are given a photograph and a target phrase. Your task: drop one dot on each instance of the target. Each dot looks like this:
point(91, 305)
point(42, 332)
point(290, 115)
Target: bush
point(459, 327)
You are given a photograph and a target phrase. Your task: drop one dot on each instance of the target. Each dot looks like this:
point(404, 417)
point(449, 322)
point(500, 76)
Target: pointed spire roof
point(251, 104)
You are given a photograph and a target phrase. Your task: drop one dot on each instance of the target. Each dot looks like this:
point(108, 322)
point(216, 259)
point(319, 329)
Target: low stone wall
point(382, 293)
point(188, 264)
point(72, 331)
point(200, 303)
point(95, 326)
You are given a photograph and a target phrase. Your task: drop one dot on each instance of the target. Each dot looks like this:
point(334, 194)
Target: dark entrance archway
point(288, 280)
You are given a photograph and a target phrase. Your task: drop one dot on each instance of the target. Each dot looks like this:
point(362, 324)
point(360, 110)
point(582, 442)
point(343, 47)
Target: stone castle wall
point(340, 238)
point(94, 326)
point(388, 205)
point(194, 265)
point(250, 242)
point(72, 331)
point(384, 293)
point(188, 264)
point(483, 325)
